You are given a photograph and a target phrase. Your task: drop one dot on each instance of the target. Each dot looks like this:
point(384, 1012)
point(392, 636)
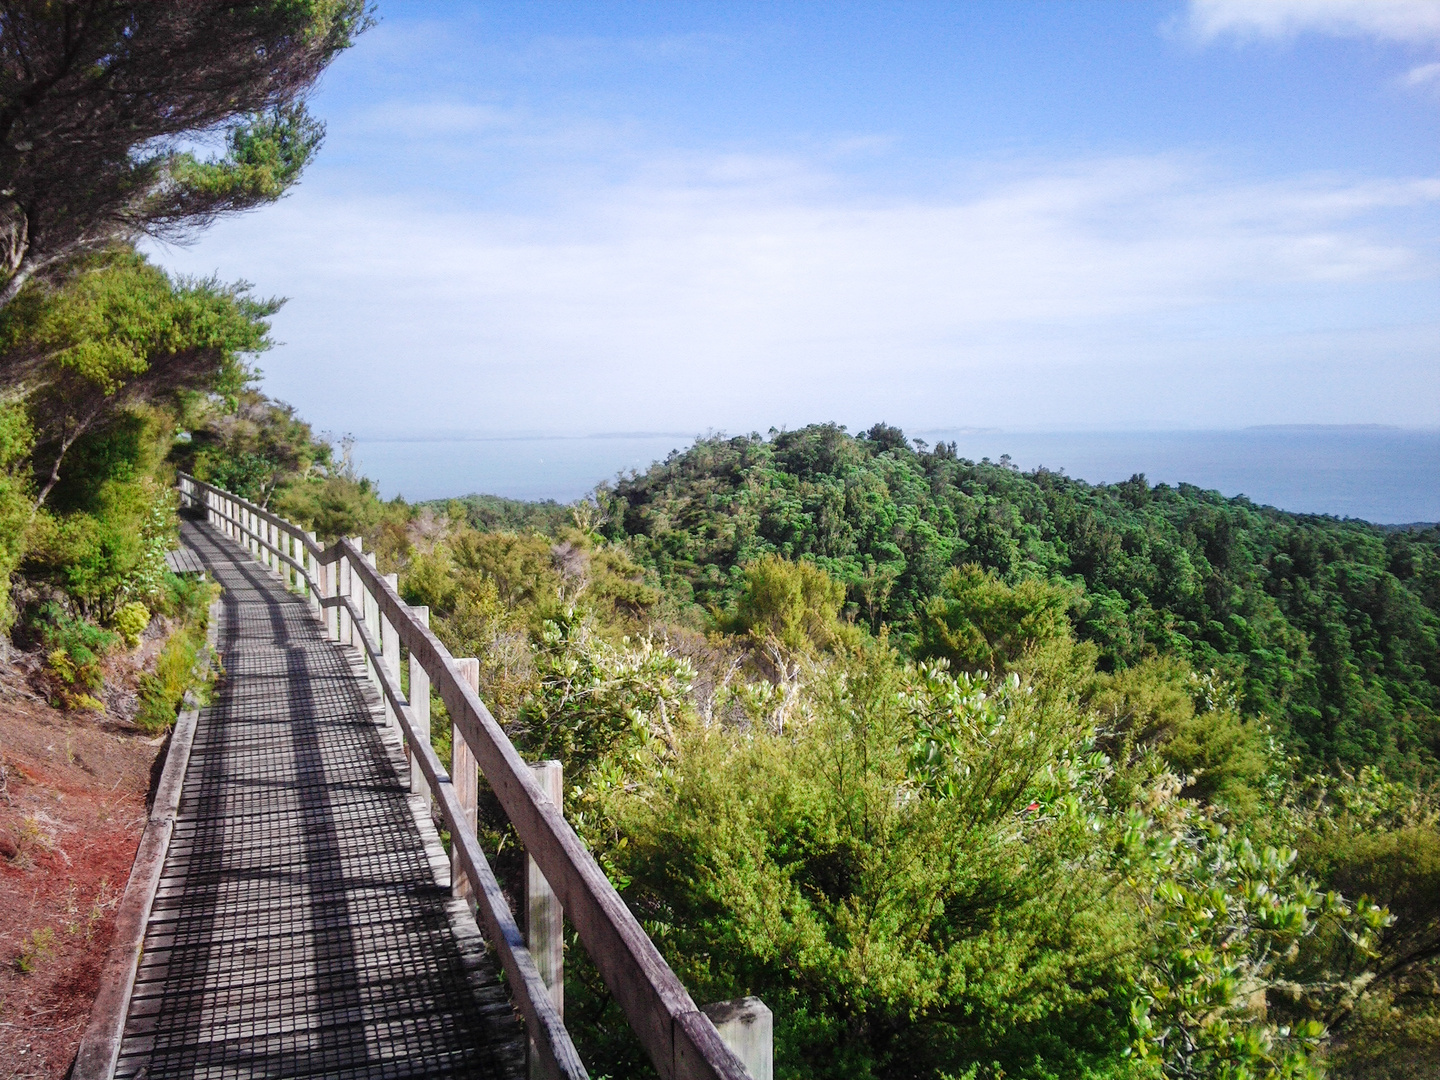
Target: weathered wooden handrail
point(362, 609)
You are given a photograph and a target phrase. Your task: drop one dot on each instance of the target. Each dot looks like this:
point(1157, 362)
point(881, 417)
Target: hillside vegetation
point(964, 771)
point(1327, 627)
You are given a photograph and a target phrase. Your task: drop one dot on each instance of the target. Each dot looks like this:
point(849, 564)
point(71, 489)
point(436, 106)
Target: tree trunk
point(11, 288)
point(65, 444)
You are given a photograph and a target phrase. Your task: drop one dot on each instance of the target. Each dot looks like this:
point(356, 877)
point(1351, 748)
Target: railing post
point(343, 587)
point(370, 608)
point(419, 711)
point(389, 649)
point(544, 917)
point(747, 1027)
point(313, 565)
point(330, 589)
point(465, 776)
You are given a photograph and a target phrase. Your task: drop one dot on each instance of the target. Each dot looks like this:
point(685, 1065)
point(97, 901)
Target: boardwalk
point(303, 924)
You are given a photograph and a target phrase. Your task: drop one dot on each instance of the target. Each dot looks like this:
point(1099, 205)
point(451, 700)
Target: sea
point(1379, 474)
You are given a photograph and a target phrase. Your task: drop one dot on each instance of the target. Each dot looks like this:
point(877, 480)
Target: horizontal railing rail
point(361, 608)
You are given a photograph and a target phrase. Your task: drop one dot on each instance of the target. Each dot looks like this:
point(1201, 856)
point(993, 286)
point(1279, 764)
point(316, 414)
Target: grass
point(37, 947)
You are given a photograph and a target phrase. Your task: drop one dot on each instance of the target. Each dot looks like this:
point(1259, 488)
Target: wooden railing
point(361, 608)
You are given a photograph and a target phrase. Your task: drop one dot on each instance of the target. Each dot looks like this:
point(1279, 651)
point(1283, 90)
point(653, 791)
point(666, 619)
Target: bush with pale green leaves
point(130, 621)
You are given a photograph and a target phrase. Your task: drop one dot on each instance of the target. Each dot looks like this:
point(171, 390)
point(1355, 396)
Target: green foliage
point(185, 664)
point(265, 155)
point(1380, 839)
point(185, 599)
point(36, 948)
point(332, 506)
point(519, 564)
point(121, 316)
point(131, 620)
point(863, 874)
point(253, 446)
point(74, 649)
point(94, 359)
point(1192, 722)
point(1227, 922)
point(249, 475)
point(102, 99)
point(980, 623)
point(112, 554)
point(594, 700)
point(16, 439)
point(795, 603)
point(182, 667)
point(491, 513)
point(1329, 628)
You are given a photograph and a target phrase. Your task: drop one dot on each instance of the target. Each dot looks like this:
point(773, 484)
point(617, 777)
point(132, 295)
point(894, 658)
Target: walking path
point(304, 924)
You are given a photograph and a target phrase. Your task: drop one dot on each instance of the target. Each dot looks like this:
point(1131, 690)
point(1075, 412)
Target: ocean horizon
point(1380, 474)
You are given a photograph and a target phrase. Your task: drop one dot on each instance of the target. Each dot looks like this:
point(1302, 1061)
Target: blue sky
point(591, 217)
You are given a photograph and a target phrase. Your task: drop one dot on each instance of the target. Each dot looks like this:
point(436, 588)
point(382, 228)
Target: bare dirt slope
point(72, 807)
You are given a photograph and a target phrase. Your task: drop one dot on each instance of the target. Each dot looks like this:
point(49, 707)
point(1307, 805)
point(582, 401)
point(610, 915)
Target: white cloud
point(734, 291)
point(1391, 20)
point(1424, 75)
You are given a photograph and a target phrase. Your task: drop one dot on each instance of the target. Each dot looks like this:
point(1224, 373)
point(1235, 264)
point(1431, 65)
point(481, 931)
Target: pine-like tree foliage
point(102, 102)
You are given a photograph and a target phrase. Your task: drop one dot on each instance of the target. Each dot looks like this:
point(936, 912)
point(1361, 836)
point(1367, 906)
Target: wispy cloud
point(1390, 20)
point(1424, 75)
point(731, 289)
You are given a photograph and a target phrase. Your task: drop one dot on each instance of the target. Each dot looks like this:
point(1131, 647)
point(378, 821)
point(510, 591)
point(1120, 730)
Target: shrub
point(915, 880)
point(112, 554)
point(178, 669)
point(979, 623)
point(796, 603)
point(131, 620)
point(594, 699)
point(74, 649)
point(36, 948)
point(1193, 723)
point(15, 440)
point(186, 599)
point(251, 476)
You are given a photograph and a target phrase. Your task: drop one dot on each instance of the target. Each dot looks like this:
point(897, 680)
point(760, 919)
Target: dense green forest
point(1328, 627)
point(966, 771)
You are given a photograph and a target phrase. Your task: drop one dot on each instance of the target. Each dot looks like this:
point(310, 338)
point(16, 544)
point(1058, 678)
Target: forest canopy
point(1330, 628)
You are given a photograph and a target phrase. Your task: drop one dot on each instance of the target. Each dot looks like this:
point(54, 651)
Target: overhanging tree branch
point(99, 98)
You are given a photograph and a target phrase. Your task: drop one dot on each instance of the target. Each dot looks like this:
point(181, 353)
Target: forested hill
point(1330, 626)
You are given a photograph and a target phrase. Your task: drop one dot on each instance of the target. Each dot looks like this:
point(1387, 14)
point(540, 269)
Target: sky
point(577, 218)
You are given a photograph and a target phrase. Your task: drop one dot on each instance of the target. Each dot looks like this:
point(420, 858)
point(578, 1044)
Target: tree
point(120, 334)
point(100, 98)
point(795, 603)
point(979, 623)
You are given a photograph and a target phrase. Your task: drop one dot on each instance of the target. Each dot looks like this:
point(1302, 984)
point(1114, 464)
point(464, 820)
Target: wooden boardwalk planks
point(303, 925)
